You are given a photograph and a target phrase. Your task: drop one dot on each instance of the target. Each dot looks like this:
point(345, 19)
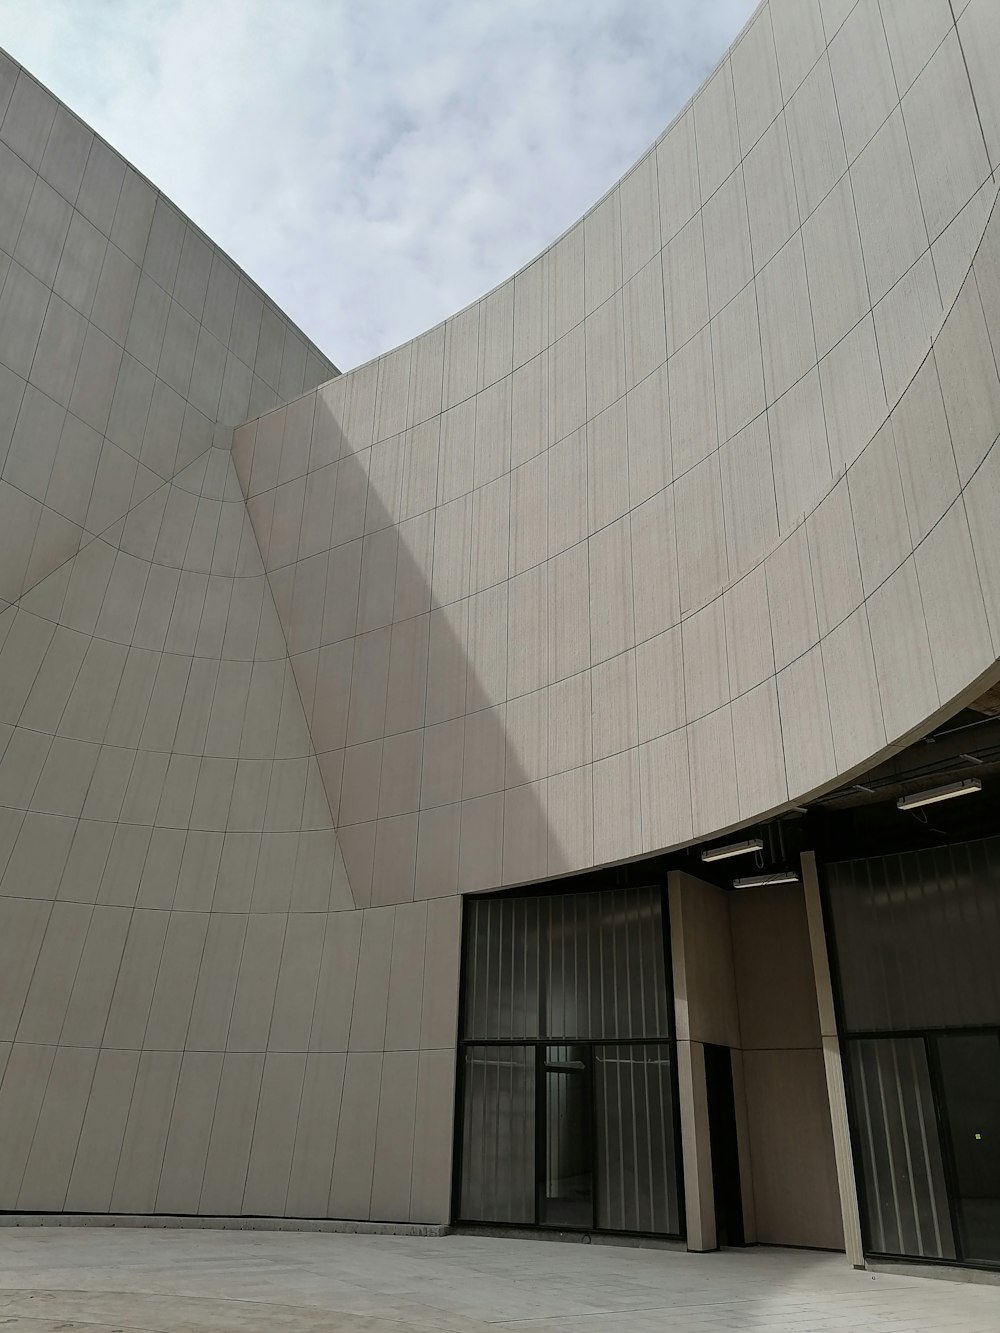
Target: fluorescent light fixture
point(964, 788)
point(733, 849)
point(758, 881)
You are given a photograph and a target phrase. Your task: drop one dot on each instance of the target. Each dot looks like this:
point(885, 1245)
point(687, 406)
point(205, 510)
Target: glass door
point(925, 1114)
point(566, 1188)
point(969, 1069)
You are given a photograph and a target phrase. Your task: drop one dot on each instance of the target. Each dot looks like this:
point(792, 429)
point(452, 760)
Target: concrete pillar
point(833, 1063)
point(696, 1148)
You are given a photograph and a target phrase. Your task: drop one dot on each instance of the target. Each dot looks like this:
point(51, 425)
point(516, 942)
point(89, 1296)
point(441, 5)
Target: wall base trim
point(622, 1239)
point(166, 1222)
point(989, 1277)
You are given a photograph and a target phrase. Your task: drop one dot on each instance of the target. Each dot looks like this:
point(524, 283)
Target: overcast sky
point(375, 164)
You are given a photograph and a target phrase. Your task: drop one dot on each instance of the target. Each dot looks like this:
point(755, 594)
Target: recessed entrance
point(726, 1189)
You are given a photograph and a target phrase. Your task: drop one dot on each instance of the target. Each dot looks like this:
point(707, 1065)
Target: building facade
point(364, 735)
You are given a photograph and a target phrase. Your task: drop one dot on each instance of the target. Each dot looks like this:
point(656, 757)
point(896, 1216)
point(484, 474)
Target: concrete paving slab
point(175, 1281)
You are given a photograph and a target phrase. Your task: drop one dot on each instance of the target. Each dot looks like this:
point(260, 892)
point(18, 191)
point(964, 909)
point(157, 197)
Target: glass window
point(588, 965)
point(568, 1083)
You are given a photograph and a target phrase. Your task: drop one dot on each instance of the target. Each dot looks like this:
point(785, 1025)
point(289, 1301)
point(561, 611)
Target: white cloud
point(375, 165)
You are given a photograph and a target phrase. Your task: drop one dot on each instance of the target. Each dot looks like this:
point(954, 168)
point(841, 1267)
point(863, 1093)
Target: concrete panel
point(773, 967)
point(351, 1186)
point(274, 1135)
point(430, 1177)
point(942, 91)
point(227, 1162)
point(54, 1146)
point(315, 1137)
point(699, 1205)
point(141, 1158)
point(22, 1093)
point(392, 1169)
point(93, 1174)
point(190, 1131)
point(796, 1197)
point(702, 952)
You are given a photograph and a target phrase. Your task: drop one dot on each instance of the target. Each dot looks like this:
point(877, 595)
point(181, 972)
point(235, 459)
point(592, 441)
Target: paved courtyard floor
point(184, 1281)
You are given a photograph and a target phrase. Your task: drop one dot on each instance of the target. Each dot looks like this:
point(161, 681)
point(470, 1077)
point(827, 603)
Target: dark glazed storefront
point(807, 1055)
point(916, 939)
point(567, 1100)
point(640, 1054)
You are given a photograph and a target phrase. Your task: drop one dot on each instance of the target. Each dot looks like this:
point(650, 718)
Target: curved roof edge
point(6, 88)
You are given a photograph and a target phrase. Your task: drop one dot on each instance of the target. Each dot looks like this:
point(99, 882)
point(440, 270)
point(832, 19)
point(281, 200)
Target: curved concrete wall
point(687, 520)
point(668, 531)
point(129, 344)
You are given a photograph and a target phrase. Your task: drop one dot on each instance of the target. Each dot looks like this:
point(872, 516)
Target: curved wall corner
point(687, 520)
point(690, 518)
point(129, 343)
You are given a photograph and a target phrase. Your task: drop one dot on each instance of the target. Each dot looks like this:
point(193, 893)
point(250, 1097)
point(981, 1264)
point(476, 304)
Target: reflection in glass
point(568, 1102)
point(567, 1199)
point(498, 1143)
point(970, 1087)
point(585, 966)
point(904, 1200)
point(636, 1149)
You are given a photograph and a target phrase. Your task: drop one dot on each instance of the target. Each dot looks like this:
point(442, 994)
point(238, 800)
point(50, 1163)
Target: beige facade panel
point(744, 979)
point(685, 522)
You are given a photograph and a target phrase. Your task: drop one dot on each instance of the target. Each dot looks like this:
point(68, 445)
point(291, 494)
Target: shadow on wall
point(192, 1017)
point(413, 744)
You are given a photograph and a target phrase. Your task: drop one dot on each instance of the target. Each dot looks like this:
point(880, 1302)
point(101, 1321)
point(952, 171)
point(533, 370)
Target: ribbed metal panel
point(903, 1198)
point(567, 1193)
point(918, 937)
point(636, 1151)
point(568, 1102)
point(498, 1135)
point(575, 966)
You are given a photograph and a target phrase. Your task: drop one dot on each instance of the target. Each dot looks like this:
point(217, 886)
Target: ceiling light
point(759, 881)
point(964, 788)
point(733, 849)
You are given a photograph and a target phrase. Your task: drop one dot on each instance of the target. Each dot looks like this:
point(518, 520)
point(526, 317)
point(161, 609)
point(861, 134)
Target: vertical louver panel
point(903, 1195)
point(636, 1151)
point(568, 1102)
point(586, 966)
point(918, 937)
point(498, 1150)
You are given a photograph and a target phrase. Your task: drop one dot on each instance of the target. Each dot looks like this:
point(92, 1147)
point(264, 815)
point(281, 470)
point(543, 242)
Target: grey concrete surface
point(184, 1282)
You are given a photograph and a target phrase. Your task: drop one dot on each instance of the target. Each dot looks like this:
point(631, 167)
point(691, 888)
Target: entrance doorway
point(726, 1188)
